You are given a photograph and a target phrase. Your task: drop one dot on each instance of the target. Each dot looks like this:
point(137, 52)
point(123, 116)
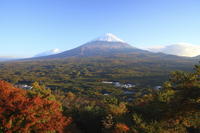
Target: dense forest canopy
point(89, 72)
point(173, 109)
point(75, 96)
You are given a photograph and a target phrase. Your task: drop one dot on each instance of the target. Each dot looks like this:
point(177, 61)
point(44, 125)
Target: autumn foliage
point(121, 128)
point(21, 113)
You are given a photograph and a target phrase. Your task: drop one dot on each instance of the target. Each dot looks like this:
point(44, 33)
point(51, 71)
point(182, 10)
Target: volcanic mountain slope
point(106, 45)
point(109, 45)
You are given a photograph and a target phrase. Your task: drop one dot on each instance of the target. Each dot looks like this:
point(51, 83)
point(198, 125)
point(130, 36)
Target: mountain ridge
point(108, 45)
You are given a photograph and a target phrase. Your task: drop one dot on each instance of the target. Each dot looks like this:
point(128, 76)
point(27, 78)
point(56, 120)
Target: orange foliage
point(23, 114)
point(121, 128)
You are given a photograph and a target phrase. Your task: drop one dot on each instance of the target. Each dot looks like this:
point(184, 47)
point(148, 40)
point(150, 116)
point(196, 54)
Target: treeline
point(174, 109)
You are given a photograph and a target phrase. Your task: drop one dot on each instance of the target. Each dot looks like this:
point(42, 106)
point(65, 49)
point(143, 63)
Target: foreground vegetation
point(173, 109)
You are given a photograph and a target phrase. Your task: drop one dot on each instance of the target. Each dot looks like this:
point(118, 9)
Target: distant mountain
point(180, 49)
point(2, 58)
point(50, 52)
point(106, 45)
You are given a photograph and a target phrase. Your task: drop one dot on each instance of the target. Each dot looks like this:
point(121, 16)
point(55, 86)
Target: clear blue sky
point(28, 27)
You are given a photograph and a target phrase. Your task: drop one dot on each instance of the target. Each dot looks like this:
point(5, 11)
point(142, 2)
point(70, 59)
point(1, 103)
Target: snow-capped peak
point(56, 50)
point(50, 52)
point(108, 37)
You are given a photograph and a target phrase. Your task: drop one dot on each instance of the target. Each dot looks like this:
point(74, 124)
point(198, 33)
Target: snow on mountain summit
point(50, 52)
point(108, 37)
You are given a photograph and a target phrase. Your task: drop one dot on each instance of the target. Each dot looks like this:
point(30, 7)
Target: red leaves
point(121, 128)
point(21, 113)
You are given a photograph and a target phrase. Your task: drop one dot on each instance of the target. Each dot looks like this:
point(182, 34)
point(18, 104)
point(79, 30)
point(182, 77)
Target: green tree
point(41, 91)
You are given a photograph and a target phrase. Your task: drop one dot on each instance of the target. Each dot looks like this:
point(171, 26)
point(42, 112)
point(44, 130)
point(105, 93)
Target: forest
point(83, 75)
point(69, 97)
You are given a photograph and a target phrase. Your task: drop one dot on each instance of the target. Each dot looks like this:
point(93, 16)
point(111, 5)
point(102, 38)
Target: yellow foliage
point(118, 109)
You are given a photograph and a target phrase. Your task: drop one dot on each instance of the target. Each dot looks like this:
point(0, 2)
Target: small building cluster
point(118, 84)
point(24, 86)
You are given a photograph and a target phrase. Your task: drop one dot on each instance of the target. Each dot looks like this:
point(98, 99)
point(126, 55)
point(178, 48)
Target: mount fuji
point(106, 45)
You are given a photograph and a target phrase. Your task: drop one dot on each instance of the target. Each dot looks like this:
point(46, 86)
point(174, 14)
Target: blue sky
point(28, 27)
